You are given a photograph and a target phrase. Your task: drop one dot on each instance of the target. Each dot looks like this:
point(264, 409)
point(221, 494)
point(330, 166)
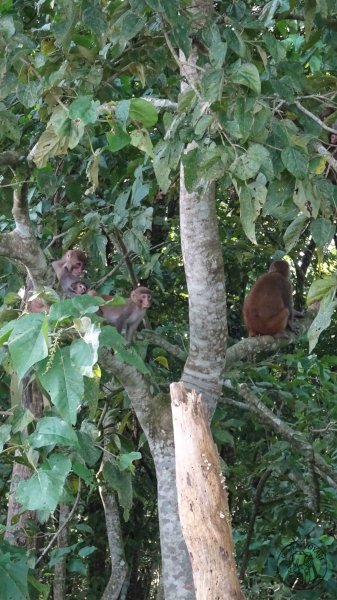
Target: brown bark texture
point(202, 500)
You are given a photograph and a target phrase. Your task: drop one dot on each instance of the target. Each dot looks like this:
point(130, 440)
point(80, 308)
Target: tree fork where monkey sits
point(202, 500)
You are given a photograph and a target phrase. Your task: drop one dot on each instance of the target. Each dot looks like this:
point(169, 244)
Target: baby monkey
point(68, 270)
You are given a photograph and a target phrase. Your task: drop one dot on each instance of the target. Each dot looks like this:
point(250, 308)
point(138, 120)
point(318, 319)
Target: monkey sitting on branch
point(268, 308)
point(128, 316)
point(68, 270)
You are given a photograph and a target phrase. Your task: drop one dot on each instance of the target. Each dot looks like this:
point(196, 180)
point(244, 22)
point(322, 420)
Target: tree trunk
point(18, 534)
point(59, 587)
point(202, 500)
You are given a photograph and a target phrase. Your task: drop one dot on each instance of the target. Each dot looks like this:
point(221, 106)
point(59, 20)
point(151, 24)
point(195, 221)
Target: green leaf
point(121, 482)
point(247, 213)
point(5, 434)
point(122, 112)
point(322, 231)
point(127, 27)
point(180, 30)
point(248, 75)
point(9, 126)
point(141, 139)
point(6, 331)
point(44, 489)
point(249, 164)
point(64, 383)
point(125, 460)
point(212, 84)
point(22, 417)
point(29, 94)
point(52, 430)
point(112, 339)
point(217, 48)
point(13, 573)
point(83, 352)
point(294, 232)
point(161, 165)
point(305, 198)
point(142, 111)
point(117, 138)
point(28, 342)
point(84, 109)
point(88, 451)
point(322, 319)
point(322, 287)
point(295, 162)
point(7, 27)
point(95, 18)
point(190, 161)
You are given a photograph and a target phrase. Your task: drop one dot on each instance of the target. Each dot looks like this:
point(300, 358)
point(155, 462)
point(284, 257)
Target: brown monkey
point(268, 308)
point(127, 317)
point(68, 269)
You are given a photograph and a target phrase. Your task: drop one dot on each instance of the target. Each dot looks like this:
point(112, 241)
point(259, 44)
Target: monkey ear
point(133, 296)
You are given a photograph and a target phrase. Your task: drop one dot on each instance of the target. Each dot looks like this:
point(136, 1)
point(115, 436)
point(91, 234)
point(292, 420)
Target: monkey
point(78, 287)
point(127, 317)
point(268, 308)
point(68, 269)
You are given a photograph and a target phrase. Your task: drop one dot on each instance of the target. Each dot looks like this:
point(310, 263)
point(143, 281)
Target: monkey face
point(77, 269)
point(146, 300)
point(78, 287)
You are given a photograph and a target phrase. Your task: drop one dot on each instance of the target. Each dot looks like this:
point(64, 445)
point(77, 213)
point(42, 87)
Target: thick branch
point(21, 244)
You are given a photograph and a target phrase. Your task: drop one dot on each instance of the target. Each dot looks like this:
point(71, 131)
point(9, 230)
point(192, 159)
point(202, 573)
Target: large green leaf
point(322, 319)
point(294, 232)
point(28, 342)
point(295, 162)
point(64, 383)
point(322, 231)
point(322, 287)
point(13, 572)
point(44, 489)
point(121, 482)
point(52, 430)
point(117, 138)
point(142, 111)
point(84, 109)
point(247, 74)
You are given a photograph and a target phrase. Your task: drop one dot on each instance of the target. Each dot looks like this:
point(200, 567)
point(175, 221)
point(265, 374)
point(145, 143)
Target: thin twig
point(314, 118)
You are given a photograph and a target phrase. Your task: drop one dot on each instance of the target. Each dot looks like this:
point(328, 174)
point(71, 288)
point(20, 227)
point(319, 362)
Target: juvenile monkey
point(68, 270)
point(268, 308)
point(79, 287)
point(127, 317)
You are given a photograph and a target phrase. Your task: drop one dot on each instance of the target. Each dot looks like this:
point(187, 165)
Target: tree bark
point(18, 533)
point(59, 587)
point(202, 500)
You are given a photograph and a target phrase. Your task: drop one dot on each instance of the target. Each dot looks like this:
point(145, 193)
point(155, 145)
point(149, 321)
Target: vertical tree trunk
point(18, 534)
point(59, 587)
point(202, 500)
